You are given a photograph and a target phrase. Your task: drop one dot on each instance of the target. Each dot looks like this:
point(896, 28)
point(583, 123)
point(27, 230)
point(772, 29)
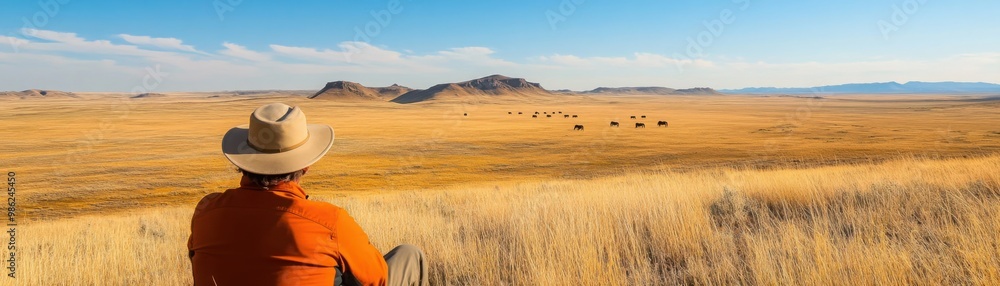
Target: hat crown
point(277, 127)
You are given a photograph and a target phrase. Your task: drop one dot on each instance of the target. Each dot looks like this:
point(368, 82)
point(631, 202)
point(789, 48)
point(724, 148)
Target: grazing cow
point(545, 113)
point(560, 112)
point(550, 115)
point(614, 123)
point(578, 127)
point(574, 115)
point(465, 114)
point(508, 112)
point(643, 116)
point(640, 125)
point(633, 117)
point(519, 112)
point(661, 123)
point(534, 116)
point(565, 115)
point(536, 112)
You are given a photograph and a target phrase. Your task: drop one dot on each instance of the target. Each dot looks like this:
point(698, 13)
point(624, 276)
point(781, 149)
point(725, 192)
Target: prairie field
point(902, 222)
point(844, 189)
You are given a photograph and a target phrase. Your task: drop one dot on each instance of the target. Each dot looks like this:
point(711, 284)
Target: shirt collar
point(289, 187)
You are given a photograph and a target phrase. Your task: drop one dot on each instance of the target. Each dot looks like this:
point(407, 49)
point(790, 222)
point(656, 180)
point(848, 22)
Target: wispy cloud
point(237, 51)
point(54, 36)
point(165, 43)
point(64, 60)
point(350, 52)
point(369, 56)
point(472, 55)
point(70, 43)
point(638, 60)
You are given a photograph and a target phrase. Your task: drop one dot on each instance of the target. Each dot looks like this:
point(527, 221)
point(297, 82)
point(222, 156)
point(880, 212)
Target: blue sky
point(210, 45)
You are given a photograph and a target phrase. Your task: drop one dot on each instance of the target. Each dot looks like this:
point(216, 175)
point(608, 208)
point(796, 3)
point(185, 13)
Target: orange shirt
point(251, 236)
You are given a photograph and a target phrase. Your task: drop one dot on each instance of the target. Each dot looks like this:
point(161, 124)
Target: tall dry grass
point(911, 221)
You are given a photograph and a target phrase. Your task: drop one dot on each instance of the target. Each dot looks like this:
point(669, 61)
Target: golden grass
point(108, 155)
point(906, 221)
point(738, 190)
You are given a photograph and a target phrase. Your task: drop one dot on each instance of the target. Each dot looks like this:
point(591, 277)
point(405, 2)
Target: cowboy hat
point(277, 141)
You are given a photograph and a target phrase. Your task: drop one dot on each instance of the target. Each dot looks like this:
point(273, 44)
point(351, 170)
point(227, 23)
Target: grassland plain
point(901, 222)
point(741, 189)
point(104, 154)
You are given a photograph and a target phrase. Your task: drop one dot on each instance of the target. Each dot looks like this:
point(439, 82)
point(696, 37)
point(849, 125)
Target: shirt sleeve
point(190, 246)
point(202, 204)
point(358, 256)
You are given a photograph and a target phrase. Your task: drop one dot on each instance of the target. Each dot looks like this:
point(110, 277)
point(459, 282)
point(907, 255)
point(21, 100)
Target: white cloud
point(736, 74)
point(54, 36)
point(309, 53)
point(983, 58)
point(469, 51)
point(473, 55)
point(638, 60)
point(61, 60)
point(62, 42)
point(21, 71)
point(14, 43)
point(237, 51)
point(350, 53)
point(564, 60)
point(166, 43)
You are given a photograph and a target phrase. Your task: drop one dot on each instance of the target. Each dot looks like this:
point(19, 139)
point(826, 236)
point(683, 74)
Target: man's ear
point(305, 170)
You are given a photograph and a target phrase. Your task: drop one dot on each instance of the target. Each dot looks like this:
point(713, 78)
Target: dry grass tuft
point(910, 221)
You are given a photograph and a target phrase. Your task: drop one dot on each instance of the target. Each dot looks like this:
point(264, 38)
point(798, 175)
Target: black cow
point(519, 112)
point(661, 123)
point(508, 112)
point(534, 116)
point(614, 123)
point(643, 116)
point(574, 115)
point(550, 115)
point(633, 117)
point(545, 112)
point(640, 125)
point(565, 115)
point(536, 112)
point(560, 112)
point(578, 127)
point(465, 114)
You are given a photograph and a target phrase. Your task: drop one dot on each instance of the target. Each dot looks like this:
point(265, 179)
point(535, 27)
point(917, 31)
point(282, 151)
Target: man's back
point(267, 232)
point(276, 237)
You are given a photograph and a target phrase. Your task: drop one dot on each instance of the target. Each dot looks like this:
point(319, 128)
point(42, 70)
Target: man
point(267, 232)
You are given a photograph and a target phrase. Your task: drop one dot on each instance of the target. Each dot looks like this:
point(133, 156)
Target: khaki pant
point(407, 266)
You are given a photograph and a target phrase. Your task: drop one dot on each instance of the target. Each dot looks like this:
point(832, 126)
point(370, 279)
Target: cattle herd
point(579, 127)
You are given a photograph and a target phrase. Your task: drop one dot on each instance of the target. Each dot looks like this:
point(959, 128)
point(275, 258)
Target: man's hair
point(268, 181)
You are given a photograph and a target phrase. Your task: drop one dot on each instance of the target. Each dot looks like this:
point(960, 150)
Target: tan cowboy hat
point(277, 141)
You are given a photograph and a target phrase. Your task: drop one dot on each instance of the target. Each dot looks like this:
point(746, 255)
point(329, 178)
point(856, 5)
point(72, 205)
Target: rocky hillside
point(346, 90)
point(490, 87)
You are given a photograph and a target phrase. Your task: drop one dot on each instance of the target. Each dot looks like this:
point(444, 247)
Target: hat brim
point(239, 152)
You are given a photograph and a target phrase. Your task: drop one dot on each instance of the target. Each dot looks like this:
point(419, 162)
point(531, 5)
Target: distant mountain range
point(653, 90)
point(499, 87)
point(492, 87)
point(37, 93)
point(879, 88)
